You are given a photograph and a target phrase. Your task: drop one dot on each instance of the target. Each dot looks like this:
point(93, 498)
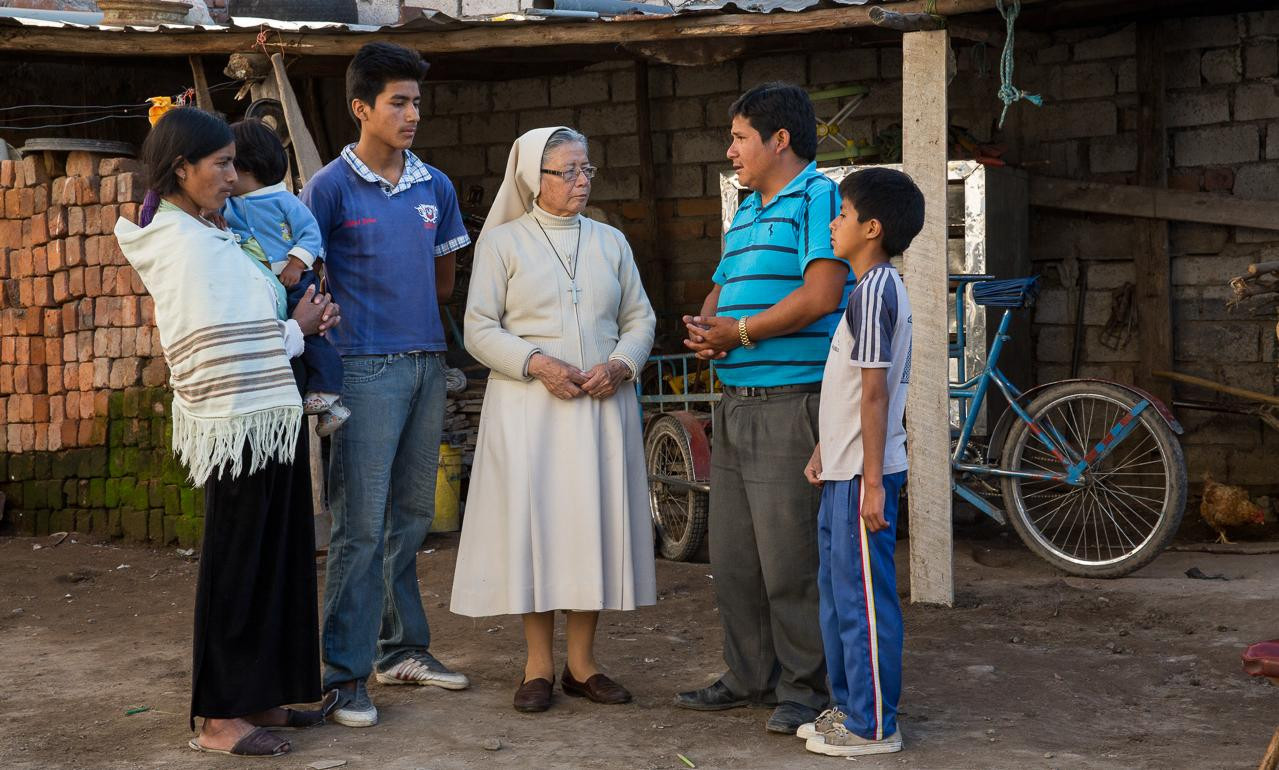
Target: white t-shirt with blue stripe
point(875, 333)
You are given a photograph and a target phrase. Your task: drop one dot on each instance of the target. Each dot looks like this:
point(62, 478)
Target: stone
point(523, 94)
point(1257, 182)
point(1222, 65)
point(1197, 109)
point(1255, 101)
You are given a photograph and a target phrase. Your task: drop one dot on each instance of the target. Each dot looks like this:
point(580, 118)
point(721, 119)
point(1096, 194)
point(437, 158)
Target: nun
point(558, 515)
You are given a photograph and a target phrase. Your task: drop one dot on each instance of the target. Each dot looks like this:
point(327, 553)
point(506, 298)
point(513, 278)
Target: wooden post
point(303, 145)
point(1151, 260)
point(201, 83)
point(658, 265)
point(924, 146)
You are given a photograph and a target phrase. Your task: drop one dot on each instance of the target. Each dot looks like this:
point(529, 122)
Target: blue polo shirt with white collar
point(766, 251)
point(381, 241)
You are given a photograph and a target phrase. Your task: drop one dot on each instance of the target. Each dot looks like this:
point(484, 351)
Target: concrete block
point(585, 88)
point(677, 114)
point(1192, 238)
point(1182, 70)
point(1126, 76)
point(843, 66)
point(1198, 108)
point(1227, 343)
point(1230, 144)
point(1272, 141)
point(714, 79)
point(480, 8)
point(698, 147)
point(1201, 32)
point(1053, 54)
point(1263, 23)
point(1254, 101)
point(489, 128)
point(1108, 46)
point(1069, 121)
point(523, 94)
point(1084, 81)
point(890, 63)
point(1222, 65)
point(616, 185)
point(451, 8)
point(1258, 182)
point(679, 181)
point(607, 120)
point(1209, 270)
point(1113, 154)
point(532, 119)
point(462, 97)
point(436, 131)
point(1261, 59)
point(789, 68)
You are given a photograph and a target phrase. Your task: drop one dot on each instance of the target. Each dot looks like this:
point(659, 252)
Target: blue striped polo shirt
point(766, 251)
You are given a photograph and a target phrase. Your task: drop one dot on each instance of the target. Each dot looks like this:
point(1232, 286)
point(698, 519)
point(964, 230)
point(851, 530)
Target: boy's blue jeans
point(860, 614)
point(382, 494)
point(320, 360)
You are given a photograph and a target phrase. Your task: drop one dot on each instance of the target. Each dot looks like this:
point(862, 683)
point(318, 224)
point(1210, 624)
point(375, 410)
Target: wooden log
point(1230, 390)
point(614, 31)
point(1151, 259)
point(1152, 203)
point(202, 98)
point(924, 144)
point(309, 162)
point(1261, 268)
point(905, 22)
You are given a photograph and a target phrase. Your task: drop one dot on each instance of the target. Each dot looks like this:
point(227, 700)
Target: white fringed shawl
point(231, 379)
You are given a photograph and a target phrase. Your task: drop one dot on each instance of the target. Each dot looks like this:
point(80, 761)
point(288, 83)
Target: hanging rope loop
point(1008, 93)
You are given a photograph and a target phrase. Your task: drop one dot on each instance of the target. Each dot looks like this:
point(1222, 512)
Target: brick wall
point(83, 412)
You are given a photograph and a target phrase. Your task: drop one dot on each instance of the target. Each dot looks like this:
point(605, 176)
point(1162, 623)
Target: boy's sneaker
point(318, 403)
point(823, 724)
point(328, 423)
point(352, 708)
point(840, 742)
point(423, 668)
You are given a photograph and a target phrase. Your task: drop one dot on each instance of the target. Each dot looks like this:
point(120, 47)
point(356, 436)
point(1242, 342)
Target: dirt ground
point(1030, 670)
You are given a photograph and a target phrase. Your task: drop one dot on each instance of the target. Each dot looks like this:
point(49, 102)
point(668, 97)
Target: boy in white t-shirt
point(860, 465)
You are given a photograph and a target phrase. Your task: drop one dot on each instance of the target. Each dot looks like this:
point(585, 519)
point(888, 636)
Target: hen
point(1228, 506)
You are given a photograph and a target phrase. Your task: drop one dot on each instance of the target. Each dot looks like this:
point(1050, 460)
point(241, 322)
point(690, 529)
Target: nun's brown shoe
point(534, 695)
point(598, 688)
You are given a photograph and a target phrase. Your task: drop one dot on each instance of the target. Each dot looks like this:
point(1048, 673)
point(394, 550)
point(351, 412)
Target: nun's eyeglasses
point(571, 175)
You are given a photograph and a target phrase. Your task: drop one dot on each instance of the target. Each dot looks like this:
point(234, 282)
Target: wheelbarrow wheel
point(680, 513)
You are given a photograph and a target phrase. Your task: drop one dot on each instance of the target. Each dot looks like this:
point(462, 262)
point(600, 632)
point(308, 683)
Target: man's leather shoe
point(788, 716)
point(534, 695)
point(597, 688)
point(716, 697)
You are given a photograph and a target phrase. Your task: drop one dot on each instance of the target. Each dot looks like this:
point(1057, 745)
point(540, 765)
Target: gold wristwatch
point(741, 333)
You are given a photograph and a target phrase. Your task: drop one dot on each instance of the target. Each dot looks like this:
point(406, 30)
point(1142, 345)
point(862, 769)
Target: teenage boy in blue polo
point(391, 225)
point(860, 466)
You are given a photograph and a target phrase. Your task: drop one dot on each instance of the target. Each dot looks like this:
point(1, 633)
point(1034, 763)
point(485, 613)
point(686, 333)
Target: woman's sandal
point(258, 743)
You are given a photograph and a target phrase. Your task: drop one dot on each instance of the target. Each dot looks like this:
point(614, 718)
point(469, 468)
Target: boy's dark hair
point(771, 107)
point(258, 151)
point(185, 133)
point(891, 197)
point(377, 64)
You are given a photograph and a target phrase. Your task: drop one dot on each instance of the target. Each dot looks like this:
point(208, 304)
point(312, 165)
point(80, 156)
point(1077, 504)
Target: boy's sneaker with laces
point(352, 708)
point(422, 668)
point(823, 724)
point(328, 422)
point(839, 741)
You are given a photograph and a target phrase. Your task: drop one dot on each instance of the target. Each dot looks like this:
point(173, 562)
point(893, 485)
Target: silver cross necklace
point(570, 269)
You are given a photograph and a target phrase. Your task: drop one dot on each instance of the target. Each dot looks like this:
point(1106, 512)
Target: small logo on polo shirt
point(430, 214)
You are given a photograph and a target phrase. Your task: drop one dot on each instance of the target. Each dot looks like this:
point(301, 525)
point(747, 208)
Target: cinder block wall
point(85, 417)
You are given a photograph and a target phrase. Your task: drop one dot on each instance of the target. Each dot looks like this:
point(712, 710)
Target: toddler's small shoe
point(330, 421)
point(318, 403)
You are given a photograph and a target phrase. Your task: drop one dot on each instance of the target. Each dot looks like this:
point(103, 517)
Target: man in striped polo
point(779, 291)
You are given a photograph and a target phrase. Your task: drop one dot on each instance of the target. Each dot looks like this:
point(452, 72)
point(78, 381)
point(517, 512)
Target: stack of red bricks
point(75, 321)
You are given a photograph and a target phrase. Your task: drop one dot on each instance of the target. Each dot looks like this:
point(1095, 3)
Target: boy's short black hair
point(771, 107)
point(377, 64)
point(258, 151)
point(891, 197)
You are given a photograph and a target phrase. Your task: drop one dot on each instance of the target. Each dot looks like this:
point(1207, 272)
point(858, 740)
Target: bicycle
point(1090, 471)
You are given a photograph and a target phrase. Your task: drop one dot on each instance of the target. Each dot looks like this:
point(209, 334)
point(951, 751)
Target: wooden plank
point(309, 162)
point(614, 31)
point(1152, 203)
point(202, 98)
point(924, 146)
point(1151, 260)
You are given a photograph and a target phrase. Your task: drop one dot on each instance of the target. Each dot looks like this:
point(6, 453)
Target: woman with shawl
point(236, 418)
point(558, 516)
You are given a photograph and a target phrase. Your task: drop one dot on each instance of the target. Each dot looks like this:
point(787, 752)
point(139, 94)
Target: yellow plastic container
point(448, 491)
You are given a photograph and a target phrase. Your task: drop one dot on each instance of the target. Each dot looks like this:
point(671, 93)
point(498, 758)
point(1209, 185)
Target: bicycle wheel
point(1131, 501)
point(679, 513)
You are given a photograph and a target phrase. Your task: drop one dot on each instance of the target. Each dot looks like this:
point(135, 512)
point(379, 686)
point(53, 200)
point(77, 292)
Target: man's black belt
point(777, 390)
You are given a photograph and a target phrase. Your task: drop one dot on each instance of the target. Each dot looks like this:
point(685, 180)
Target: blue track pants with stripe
point(861, 616)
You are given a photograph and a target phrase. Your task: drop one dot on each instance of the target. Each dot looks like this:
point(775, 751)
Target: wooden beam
point(201, 83)
point(924, 145)
point(1152, 203)
point(905, 22)
point(1151, 260)
point(614, 31)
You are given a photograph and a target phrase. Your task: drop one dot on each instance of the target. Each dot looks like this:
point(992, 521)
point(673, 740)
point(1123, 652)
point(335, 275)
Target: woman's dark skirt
point(256, 625)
